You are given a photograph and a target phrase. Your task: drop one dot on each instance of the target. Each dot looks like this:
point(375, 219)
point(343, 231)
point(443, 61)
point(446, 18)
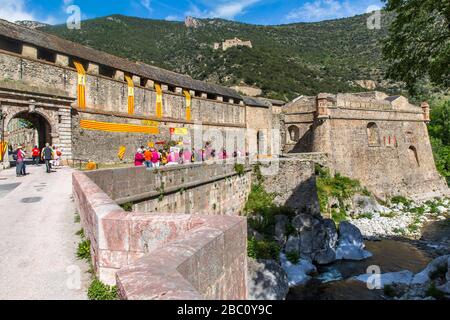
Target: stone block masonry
point(193, 188)
point(163, 256)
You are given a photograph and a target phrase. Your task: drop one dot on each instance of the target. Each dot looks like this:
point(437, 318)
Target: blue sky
point(249, 11)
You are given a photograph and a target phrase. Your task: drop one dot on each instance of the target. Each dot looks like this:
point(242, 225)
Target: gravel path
point(37, 237)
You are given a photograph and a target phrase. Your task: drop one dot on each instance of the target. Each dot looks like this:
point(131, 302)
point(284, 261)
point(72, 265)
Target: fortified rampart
point(185, 240)
point(381, 141)
point(114, 102)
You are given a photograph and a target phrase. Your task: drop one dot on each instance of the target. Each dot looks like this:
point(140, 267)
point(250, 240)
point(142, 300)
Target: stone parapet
point(210, 260)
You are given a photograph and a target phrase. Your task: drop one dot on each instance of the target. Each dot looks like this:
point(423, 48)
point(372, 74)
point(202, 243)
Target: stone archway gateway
point(47, 111)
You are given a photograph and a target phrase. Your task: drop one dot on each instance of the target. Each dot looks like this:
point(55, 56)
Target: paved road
point(37, 237)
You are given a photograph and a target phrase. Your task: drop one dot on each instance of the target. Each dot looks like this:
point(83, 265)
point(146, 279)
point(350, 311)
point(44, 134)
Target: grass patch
point(340, 187)
point(338, 215)
point(293, 257)
point(128, 206)
point(401, 200)
point(84, 250)
point(80, 233)
point(263, 249)
point(399, 231)
point(366, 215)
point(388, 214)
point(100, 291)
point(239, 168)
point(434, 292)
point(389, 291)
point(77, 218)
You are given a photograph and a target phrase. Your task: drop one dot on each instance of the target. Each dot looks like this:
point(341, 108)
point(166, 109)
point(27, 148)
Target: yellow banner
point(121, 152)
point(81, 88)
point(150, 123)
point(179, 131)
point(188, 104)
point(117, 127)
point(130, 94)
point(159, 106)
point(3, 148)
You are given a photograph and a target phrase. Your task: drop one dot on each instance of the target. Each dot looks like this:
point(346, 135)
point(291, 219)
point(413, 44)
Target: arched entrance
point(28, 129)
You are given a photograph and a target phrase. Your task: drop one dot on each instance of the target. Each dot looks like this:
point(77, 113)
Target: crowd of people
point(49, 155)
point(153, 158)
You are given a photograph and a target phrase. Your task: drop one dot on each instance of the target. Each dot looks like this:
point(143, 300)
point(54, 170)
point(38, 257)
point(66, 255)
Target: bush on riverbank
point(336, 187)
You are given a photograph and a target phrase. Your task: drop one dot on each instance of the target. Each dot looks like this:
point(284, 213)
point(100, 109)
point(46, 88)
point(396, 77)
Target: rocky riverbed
point(322, 261)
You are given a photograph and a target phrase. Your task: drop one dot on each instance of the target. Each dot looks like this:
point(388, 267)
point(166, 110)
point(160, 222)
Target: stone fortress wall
point(33, 60)
point(197, 250)
point(381, 141)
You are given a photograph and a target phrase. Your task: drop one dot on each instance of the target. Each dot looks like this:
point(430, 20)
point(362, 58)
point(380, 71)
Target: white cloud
point(173, 18)
point(14, 10)
point(319, 10)
point(147, 4)
point(222, 9)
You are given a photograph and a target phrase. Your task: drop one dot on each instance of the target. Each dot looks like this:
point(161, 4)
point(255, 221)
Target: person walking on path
point(155, 158)
point(47, 156)
point(148, 158)
point(139, 158)
point(20, 161)
point(36, 154)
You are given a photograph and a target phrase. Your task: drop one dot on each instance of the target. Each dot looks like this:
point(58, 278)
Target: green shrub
point(128, 206)
point(84, 250)
point(338, 215)
point(239, 168)
point(399, 231)
point(80, 233)
point(401, 200)
point(100, 291)
point(434, 292)
point(257, 173)
point(263, 249)
point(366, 215)
point(387, 214)
point(389, 291)
point(77, 218)
point(293, 257)
point(259, 199)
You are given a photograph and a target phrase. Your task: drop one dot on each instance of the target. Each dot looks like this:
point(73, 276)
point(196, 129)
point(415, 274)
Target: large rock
point(381, 280)
point(424, 276)
point(365, 204)
point(317, 238)
point(349, 234)
point(281, 222)
point(327, 253)
point(299, 273)
point(293, 244)
point(351, 243)
point(266, 280)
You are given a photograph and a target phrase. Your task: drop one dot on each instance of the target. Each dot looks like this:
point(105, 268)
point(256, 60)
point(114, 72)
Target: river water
point(334, 281)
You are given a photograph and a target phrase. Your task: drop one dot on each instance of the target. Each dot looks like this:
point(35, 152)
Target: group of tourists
point(49, 155)
point(153, 158)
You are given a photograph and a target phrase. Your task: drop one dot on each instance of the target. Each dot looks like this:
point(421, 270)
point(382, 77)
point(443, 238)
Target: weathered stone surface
point(163, 257)
point(424, 276)
point(297, 273)
point(351, 243)
point(281, 223)
point(266, 280)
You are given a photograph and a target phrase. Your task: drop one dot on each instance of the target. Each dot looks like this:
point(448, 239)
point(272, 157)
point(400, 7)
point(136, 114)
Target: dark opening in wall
point(413, 157)
point(72, 64)
point(198, 94)
point(171, 88)
point(10, 45)
point(373, 135)
point(106, 71)
point(143, 82)
point(226, 99)
point(46, 55)
point(211, 96)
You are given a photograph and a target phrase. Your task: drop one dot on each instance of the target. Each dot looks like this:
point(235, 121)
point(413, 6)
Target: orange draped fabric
point(81, 92)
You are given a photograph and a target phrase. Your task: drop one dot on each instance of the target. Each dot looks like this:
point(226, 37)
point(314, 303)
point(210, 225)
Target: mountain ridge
point(285, 61)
